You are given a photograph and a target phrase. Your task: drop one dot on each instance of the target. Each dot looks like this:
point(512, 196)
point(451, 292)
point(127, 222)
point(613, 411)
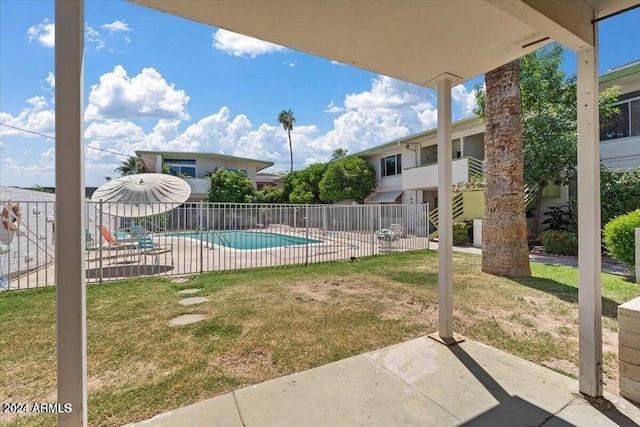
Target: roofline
point(196, 154)
point(411, 138)
point(628, 70)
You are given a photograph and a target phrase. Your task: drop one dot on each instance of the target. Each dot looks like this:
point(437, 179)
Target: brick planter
point(629, 349)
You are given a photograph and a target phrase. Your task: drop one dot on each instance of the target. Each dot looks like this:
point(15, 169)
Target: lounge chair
point(148, 248)
point(137, 231)
point(121, 240)
point(388, 237)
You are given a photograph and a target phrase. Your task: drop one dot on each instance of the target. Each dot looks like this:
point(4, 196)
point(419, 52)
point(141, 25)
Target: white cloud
point(44, 32)
point(40, 172)
point(51, 82)
point(239, 45)
point(336, 63)
point(291, 64)
point(388, 110)
point(147, 95)
point(91, 35)
point(333, 108)
point(465, 98)
point(116, 27)
point(38, 117)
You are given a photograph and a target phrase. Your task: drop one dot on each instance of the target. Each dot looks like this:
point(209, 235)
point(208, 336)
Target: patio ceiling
point(414, 41)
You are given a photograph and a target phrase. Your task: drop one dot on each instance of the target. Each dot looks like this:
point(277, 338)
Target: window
point(627, 122)
point(391, 165)
point(243, 171)
point(184, 167)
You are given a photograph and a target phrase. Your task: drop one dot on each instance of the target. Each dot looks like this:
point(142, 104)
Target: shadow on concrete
point(511, 410)
point(514, 411)
point(567, 293)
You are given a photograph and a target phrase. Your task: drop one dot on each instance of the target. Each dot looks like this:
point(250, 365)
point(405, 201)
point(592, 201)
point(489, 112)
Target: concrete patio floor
point(414, 383)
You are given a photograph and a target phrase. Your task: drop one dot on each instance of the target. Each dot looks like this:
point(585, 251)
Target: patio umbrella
point(134, 196)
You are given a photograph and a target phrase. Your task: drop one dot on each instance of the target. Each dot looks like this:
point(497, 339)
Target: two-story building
point(620, 135)
point(407, 168)
point(195, 167)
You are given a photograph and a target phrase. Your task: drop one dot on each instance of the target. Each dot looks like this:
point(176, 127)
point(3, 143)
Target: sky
point(158, 82)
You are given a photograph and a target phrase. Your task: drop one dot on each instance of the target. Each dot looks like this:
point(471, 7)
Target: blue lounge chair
point(148, 248)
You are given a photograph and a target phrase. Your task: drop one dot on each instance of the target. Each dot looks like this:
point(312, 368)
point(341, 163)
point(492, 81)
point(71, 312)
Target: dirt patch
point(250, 364)
point(320, 290)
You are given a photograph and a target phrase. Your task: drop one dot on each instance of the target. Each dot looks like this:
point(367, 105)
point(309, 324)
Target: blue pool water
point(247, 239)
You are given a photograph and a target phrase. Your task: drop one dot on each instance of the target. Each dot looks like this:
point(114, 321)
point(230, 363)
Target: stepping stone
point(190, 291)
point(193, 300)
point(186, 319)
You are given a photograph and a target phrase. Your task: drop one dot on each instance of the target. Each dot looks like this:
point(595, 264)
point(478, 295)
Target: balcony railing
point(426, 176)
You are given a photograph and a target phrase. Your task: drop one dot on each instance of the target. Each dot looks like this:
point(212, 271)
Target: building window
point(181, 167)
point(627, 122)
point(391, 165)
point(242, 171)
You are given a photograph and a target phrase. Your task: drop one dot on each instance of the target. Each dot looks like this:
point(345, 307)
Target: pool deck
point(193, 256)
point(415, 383)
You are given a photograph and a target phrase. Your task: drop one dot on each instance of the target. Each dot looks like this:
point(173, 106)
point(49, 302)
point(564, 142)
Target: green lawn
point(266, 323)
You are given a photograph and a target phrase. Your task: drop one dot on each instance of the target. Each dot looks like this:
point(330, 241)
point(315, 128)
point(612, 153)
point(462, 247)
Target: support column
point(445, 333)
point(445, 222)
point(69, 217)
point(589, 257)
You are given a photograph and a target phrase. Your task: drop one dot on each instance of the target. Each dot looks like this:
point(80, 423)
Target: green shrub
point(560, 242)
point(461, 233)
point(620, 193)
point(619, 237)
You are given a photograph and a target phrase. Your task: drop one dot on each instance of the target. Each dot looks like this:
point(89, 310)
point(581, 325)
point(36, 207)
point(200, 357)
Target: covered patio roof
point(429, 43)
point(414, 41)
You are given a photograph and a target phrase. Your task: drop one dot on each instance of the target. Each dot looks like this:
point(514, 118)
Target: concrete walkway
point(618, 269)
point(415, 383)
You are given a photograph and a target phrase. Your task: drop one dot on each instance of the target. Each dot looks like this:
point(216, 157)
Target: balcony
point(199, 186)
point(426, 176)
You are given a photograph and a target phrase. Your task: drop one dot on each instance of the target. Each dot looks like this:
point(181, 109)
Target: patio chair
point(137, 231)
point(121, 240)
point(147, 247)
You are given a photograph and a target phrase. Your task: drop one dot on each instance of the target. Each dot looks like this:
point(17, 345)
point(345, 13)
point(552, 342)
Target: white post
point(69, 217)
point(589, 258)
point(638, 255)
point(158, 163)
point(445, 222)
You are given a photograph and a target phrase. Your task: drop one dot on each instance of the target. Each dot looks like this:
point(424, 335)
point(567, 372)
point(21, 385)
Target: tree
point(41, 189)
point(504, 246)
point(131, 166)
point(339, 153)
point(303, 186)
point(351, 178)
point(286, 119)
point(230, 187)
point(549, 127)
point(270, 194)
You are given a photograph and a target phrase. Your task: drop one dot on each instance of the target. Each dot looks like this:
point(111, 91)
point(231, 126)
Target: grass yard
point(266, 323)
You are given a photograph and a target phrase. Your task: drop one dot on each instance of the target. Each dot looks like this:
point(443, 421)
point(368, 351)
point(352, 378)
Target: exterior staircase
point(469, 204)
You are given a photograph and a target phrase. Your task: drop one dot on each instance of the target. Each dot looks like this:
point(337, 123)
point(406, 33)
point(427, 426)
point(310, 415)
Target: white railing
point(199, 237)
point(426, 176)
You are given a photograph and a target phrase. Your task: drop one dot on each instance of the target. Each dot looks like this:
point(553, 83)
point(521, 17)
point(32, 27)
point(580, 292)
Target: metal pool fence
point(199, 237)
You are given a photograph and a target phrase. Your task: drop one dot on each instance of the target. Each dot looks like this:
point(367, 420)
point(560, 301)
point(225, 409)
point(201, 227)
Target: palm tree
point(286, 119)
point(339, 153)
point(131, 166)
point(504, 240)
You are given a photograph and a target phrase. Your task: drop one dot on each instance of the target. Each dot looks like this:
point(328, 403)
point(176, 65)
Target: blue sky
point(197, 88)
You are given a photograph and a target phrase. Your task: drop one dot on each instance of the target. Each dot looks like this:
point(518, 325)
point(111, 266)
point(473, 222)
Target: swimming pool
point(248, 239)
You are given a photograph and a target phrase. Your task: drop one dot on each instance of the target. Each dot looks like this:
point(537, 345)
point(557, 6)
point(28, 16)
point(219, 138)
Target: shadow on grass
point(566, 293)
point(123, 271)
